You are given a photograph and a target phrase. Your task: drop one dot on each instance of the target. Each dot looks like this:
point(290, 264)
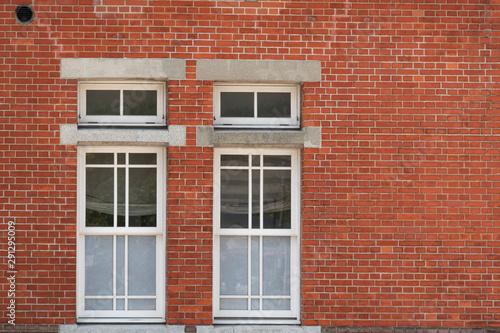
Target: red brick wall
point(400, 205)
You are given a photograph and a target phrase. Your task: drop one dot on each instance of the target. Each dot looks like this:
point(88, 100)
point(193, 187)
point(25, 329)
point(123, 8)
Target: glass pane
point(121, 158)
point(99, 158)
point(276, 266)
point(142, 159)
point(255, 255)
point(277, 160)
point(142, 197)
point(139, 103)
point(234, 199)
point(273, 104)
point(98, 304)
point(120, 197)
point(120, 265)
point(234, 160)
point(233, 304)
point(233, 265)
point(120, 304)
point(99, 197)
point(236, 104)
point(277, 199)
point(103, 102)
point(255, 160)
point(276, 304)
point(99, 266)
point(141, 265)
point(255, 304)
point(142, 304)
point(256, 199)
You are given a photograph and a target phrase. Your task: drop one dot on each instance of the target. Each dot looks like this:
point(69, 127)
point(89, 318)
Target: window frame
point(115, 316)
point(122, 120)
point(258, 316)
point(264, 122)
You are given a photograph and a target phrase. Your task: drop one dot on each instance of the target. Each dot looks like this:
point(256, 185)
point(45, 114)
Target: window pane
point(233, 265)
point(276, 266)
point(278, 160)
point(234, 160)
point(237, 104)
point(272, 104)
point(99, 198)
point(233, 304)
point(142, 304)
point(142, 159)
point(103, 102)
point(121, 197)
point(276, 304)
point(98, 304)
point(120, 304)
point(142, 265)
point(255, 255)
point(139, 103)
point(98, 265)
point(142, 197)
point(120, 265)
point(99, 158)
point(277, 199)
point(255, 199)
point(234, 199)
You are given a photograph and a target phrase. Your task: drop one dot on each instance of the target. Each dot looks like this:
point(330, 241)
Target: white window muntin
point(122, 235)
point(251, 235)
point(255, 121)
point(125, 120)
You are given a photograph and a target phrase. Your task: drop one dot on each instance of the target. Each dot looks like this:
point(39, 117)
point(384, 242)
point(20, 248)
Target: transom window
point(121, 103)
point(270, 106)
point(256, 261)
point(121, 250)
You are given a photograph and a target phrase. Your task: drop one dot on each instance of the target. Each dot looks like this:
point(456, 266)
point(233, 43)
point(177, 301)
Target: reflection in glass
point(237, 104)
point(120, 265)
point(233, 265)
point(276, 266)
point(255, 199)
point(273, 104)
point(234, 160)
point(277, 160)
point(142, 158)
point(141, 304)
point(98, 304)
point(99, 158)
point(142, 197)
point(98, 265)
point(99, 197)
point(142, 265)
point(234, 199)
point(233, 304)
point(121, 197)
point(277, 199)
point(103, 102)
point(139, 102)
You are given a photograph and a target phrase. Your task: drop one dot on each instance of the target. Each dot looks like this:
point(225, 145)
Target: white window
point(121, 245)
point(256, 228)
point(121, 103)
point(269, 106)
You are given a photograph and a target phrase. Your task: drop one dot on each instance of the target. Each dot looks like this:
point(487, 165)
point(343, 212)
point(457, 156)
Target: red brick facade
point(400, 204)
